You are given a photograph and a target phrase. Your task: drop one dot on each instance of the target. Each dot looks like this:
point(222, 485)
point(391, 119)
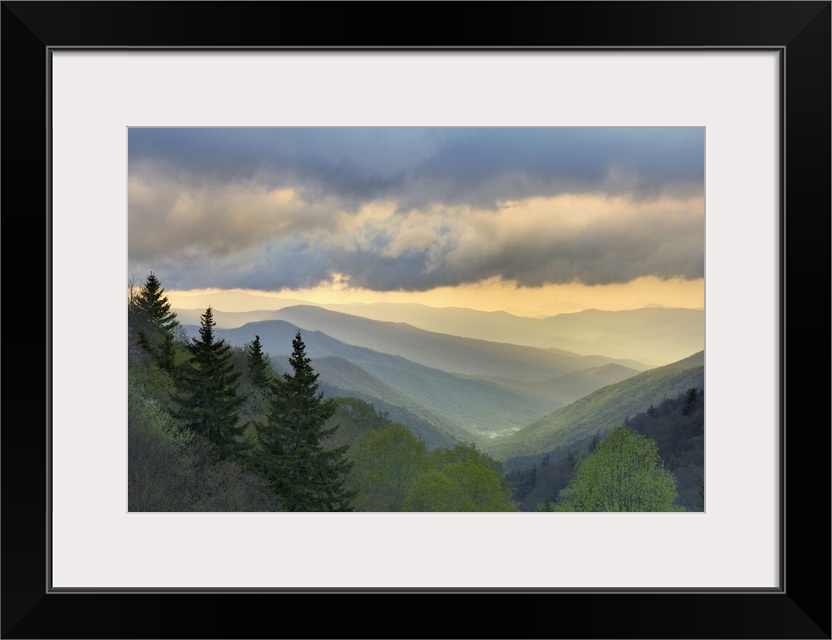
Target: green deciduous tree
point(465, 479)
point(207, 398)
point(153, 321)
point(173, 469)
point(304, 474)
point(386, 464)
point(624, 473)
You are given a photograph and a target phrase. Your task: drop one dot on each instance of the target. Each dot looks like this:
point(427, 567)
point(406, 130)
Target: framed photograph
point(698, 138)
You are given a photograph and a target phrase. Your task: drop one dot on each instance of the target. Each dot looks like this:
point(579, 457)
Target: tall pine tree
point(207, 398)
point(258, 365)
point(154, 322)
point(304, 474)
point(257, 383)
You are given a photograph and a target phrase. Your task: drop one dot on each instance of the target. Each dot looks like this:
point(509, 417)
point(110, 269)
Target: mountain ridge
point(478, 406)
point(653, 335)
point(600, 410)
point(454, 354)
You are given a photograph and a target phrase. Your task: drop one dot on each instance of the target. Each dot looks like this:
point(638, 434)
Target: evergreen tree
point(207, 397)
point(304, 474)
point(691, 400)
point(258, 365)
point(257, 384)
point(594, 443)
point(150, 316)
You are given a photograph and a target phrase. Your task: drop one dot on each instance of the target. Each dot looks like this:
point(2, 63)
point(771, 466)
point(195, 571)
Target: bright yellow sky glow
point(489, 295)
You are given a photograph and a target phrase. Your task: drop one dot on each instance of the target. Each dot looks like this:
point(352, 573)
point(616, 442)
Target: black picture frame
point(800, 608)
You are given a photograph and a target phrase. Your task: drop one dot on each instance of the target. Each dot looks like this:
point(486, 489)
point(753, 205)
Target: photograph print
point(361, 319)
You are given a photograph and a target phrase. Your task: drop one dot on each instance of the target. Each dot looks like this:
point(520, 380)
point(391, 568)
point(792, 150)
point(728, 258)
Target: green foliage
point(465, 451)
point(386, 463)
point(173, 469)
point(207, 399)
point(154, 381)
point(354, 418)
point(303, 473)
point(392, 469)
point(546, 505)
point(362, 414)
point(679, 432)
point(463, 479)
point(678, 436)
point(624, 473)
point(159, 461)
point(153, 323)
point(462, 486)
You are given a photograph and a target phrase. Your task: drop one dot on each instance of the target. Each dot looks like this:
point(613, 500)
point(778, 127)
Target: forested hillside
point(478, 406)
point(340, 378)
point(216, 428)
point(599, 411)
point(676, 425)
point(219, 426)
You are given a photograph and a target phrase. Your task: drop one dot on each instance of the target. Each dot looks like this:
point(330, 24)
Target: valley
point(517, 402)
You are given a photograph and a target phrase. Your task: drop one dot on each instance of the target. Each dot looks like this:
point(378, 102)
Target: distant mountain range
point(477, 405)
point(467, 356)
point(652, 335)
point(515, 386)
point(341, 378)
point(224, 319)
point(517, 401)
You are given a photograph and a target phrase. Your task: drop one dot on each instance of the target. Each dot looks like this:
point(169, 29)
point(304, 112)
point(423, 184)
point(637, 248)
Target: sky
point(534, 221)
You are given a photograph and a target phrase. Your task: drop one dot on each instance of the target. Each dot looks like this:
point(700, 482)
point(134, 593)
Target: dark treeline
point(214, 428)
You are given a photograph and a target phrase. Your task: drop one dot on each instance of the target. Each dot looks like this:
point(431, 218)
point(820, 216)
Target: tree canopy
point(624, 473)
point(387, 462)
point(463, 479)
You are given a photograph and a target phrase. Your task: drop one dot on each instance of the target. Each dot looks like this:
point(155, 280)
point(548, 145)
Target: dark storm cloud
point(419, 251)
point(412, 209)
point(418, 167)
point(294, 265)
